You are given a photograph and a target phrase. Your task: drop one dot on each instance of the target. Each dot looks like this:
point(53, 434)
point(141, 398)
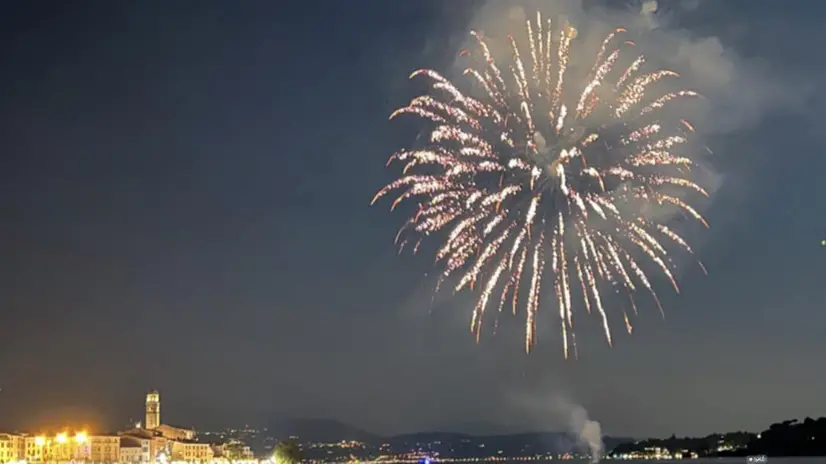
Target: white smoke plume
point(648, 11)
point(588, 432)
point(558, 410)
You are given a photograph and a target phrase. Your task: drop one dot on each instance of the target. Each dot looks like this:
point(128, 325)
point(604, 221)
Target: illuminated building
point(175, 433)
point(158, 446)
point(65, 447)
point(36, 448)
point(157, 439)
point(191, 451)
point(104, 448)
point(153, 420)
point(12, 447)
point(156, 442)
point(233, 450)
point(61, 447)
point(153, 410)
point(135, 450)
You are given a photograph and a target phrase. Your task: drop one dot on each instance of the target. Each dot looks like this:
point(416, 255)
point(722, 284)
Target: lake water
point(817, 460)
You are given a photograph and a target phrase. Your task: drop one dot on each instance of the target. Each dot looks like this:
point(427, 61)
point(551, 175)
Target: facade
point(104, 448)
point(135, 449)
point(138, 446)
point(156, 442)
point(7, 453)
point(33, 448)
point(61, 447)
point(12, 447)
point(233, 451)
point(132, 454)
point(36, 448)
point(191, 451)
point(153, 410)
point(65, 448)
point(159, 446)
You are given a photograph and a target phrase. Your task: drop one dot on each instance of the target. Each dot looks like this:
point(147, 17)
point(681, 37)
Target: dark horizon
point(185, 207)
point(325, 425)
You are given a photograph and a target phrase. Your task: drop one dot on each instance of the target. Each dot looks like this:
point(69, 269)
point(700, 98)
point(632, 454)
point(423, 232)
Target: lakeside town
point(153, 441)
point(150, 441)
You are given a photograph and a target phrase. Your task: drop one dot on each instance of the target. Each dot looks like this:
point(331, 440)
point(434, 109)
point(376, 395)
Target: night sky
point(184, 206)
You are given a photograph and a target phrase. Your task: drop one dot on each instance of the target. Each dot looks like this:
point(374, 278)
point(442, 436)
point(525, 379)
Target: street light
point(81, 437)
point(61, 438)
point(40, 441)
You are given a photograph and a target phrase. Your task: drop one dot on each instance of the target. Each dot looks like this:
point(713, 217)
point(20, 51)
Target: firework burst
point(545, 176)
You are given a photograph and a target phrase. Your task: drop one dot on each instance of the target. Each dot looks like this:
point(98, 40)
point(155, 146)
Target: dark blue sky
point(184, 207)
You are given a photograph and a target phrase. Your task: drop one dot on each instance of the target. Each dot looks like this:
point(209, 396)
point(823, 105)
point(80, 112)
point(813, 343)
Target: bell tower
point(153, 410)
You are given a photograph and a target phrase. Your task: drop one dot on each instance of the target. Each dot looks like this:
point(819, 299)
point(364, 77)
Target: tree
point(287, 452)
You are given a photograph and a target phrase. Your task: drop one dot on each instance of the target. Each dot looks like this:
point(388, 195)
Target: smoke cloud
point(559, 410)
point(587, 431)
point(648, 12)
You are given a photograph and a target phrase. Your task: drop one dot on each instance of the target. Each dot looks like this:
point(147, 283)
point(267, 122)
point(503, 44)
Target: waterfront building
point(12, 447)
point(64, 447)
point(155, 442)
point(135, 450)
point(104, 448)
point(233, 450)
point(188, 450)
point(35, 448)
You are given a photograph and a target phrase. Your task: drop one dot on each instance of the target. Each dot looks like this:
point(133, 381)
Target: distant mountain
point(318, 430)
point(426, 437)
point(480, 428)
point(520, 444)
point(443, 443)
point(555, 440)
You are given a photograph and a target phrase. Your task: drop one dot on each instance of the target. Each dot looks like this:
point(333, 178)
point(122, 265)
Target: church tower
point(153, 410)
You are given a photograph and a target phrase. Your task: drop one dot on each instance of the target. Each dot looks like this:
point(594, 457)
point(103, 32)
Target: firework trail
point(544, 176)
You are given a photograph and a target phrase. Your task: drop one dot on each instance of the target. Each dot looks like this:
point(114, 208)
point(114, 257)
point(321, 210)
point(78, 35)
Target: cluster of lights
point(340, 444)
point(214, 461)
point(658, 453)
point(61, 439)
point(499, 459)
point(160, 461)
point(422, 457)
point(414, 459)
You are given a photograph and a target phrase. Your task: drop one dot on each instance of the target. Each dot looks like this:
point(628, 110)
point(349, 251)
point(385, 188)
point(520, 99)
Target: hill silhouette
point(317, 430)
point(790, 438)
point(442, 443)
point(787, 438)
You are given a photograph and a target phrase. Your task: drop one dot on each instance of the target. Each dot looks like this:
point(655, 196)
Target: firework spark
point(543, 175)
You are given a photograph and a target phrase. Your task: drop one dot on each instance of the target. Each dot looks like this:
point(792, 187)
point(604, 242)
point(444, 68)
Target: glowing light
point(61, 438)
point(544, 174)
point(81, 437)
point(39, 440)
